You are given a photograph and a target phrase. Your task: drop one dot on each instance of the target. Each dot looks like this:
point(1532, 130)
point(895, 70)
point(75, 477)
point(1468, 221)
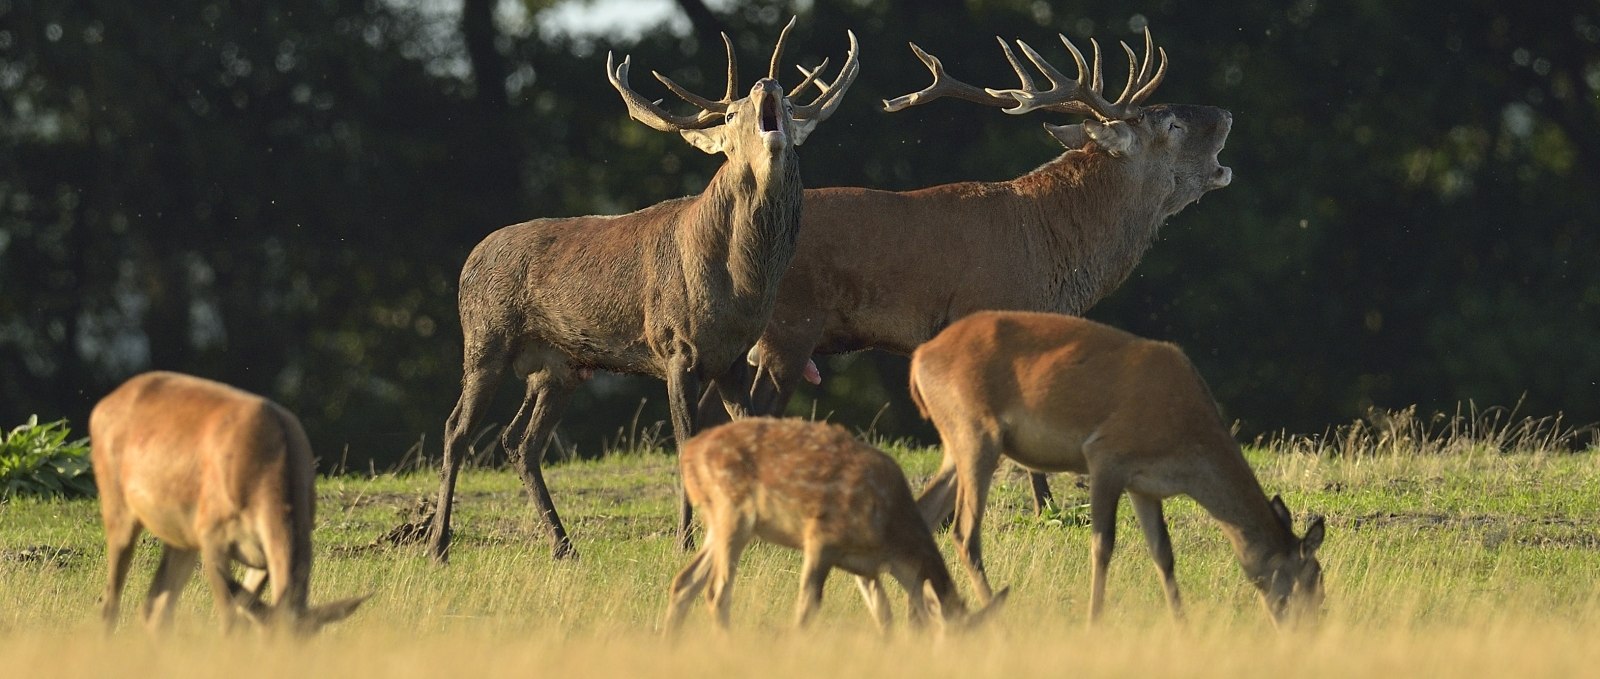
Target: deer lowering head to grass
point(679, 290)
point(1059, 393)
point(888, 270)
point(812, 487)
point(217, 475)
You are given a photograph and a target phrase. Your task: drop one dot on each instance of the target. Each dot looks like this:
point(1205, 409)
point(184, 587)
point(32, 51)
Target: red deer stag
point(815, 488)
point(218, 475)
point(679, 290)
point(1059, 393)
point(888, 270)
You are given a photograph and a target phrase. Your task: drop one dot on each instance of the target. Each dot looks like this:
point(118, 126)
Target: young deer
point(812, 487)
point(218, 475)
point(1059, 393)
point(678, 290)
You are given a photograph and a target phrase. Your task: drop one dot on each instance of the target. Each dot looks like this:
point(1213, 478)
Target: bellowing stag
point(679, 290)
point(890, 269)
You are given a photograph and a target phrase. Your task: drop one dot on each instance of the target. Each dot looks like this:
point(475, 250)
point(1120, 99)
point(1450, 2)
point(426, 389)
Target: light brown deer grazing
point(679, 290)
point(216, 474)
point(888, 270)
point(1059, 393)
point(812, 487)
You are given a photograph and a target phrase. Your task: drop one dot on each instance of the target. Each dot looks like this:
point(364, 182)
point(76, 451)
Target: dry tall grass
point(1468, 553)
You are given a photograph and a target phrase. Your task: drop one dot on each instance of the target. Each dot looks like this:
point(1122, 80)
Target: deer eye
point(1174, 126)
point(728, 117)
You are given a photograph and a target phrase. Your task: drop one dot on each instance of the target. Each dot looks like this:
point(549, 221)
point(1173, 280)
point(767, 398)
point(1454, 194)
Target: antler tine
point(1022, 73)
point(1150, 87)
point(1133, 74)
point(777, 52)
point(733, 71)
point(686, 95)
point(648, 112)
point(945, 86)
point(832, 94)
point(1097, 84)
point(702, 102)
point(810, 78)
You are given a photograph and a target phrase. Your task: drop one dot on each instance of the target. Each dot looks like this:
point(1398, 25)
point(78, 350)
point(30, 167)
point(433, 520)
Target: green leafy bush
point(38, 460)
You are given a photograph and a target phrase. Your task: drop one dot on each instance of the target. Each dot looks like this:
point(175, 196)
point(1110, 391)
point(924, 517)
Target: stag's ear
point(712, 141)
point(803, 128)
point(1070, 136)
point(1116, 137)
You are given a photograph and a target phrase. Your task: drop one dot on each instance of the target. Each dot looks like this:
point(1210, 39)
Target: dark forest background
point(280, 194)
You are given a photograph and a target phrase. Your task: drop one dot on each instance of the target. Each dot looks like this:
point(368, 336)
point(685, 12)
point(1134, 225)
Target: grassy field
point(1470, 551)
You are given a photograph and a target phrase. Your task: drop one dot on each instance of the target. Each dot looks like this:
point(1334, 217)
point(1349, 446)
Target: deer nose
point(768, 86)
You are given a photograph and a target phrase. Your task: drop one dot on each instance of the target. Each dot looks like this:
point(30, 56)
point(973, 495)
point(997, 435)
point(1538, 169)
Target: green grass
point(1464, 559)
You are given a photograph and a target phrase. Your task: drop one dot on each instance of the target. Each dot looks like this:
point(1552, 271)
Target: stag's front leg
point(682, 387)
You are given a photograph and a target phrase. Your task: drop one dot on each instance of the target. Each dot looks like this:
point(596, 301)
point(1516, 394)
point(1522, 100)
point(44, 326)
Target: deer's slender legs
point(527, 438)
point(171, 575)
point(217, 567)
point(1104, 492)
point(1042, 497)
point(686, 586)
point(813, 575)
point(938, 498)
point(877, 601)
point(121, 532)
point(682, 386)
point(977, 454)
point(484, 367)
point(1154, 524)
point(724, 564)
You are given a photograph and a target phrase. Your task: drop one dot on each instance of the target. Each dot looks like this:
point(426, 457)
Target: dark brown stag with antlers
point(888, 270)
point(678, 290)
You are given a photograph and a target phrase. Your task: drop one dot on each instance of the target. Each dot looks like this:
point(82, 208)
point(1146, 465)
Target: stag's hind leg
point(527, 438)
point(483, 368)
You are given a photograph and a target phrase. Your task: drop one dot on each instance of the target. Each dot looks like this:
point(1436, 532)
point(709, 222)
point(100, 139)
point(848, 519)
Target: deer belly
point(171, 523)
point(1045, 447)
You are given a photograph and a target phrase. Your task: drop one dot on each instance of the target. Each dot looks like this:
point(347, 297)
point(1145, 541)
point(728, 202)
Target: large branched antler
point(651, 113)
point(829, 95)
point(1080, 95)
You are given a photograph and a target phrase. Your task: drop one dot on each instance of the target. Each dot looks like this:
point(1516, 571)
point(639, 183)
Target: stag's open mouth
point(768, 121)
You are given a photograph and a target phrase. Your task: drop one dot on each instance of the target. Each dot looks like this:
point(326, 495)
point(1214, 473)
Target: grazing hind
point(217, 475)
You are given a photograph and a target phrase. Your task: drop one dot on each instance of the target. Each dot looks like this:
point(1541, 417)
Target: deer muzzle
point(767, 95)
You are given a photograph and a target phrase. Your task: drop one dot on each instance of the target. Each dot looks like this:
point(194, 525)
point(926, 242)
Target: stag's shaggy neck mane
point(744, 226)
point(1070, 198)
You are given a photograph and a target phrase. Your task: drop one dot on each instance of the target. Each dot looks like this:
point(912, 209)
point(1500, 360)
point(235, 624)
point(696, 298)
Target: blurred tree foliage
point(280, 195)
